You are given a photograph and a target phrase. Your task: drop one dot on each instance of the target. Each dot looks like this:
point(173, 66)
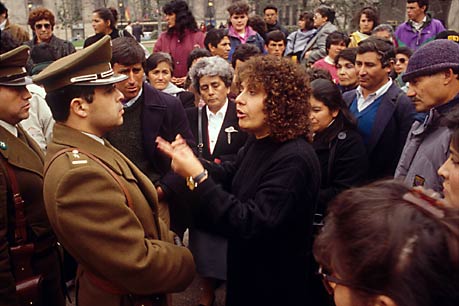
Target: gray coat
point(426, 149)
point(317, 44)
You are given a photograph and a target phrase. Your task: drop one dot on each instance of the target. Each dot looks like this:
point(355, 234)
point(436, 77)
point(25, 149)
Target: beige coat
point(130, 249)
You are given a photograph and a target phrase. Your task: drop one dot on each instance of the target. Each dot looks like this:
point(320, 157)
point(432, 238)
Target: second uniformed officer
point(101, 206)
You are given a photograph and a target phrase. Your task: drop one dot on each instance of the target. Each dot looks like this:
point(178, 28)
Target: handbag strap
point(97, 160)
point(200, 143)
point(20, 230)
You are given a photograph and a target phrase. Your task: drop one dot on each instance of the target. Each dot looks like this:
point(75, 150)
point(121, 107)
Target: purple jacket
point(407, 35)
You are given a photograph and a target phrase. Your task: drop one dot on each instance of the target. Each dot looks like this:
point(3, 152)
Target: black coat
point(187, 99)
point(114, 34)
point(267, 219)
point(224, 150)
point(343, 161)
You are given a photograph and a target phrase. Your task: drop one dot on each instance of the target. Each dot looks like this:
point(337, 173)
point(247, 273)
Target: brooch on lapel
point(3, 145)
point(230, 130)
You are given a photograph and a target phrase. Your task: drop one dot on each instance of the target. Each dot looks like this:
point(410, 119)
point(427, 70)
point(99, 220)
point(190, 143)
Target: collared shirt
point(3, 24)
point(418, 25)
point(96, 138)
point(133, 100)
point(363, 103)
point(242, 38)
point(10, 128)
point(215, 122)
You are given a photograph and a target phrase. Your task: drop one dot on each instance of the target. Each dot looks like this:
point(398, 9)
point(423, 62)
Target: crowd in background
point(315, 167)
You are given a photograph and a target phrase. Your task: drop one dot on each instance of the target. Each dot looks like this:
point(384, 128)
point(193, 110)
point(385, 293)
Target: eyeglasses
point(401, 60)
point(38, 26)
point(327, 280)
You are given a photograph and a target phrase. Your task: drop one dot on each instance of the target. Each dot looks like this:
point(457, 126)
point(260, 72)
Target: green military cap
point(12, 67)
point(88, 67)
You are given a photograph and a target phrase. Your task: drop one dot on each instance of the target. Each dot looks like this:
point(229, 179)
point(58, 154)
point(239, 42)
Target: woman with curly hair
point(366, 19)
point(181, 37)
point(264, 201)
point(42, 21)
point(387, 244)
point(104, 23)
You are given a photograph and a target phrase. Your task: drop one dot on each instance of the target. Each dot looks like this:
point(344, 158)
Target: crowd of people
point(314, 167)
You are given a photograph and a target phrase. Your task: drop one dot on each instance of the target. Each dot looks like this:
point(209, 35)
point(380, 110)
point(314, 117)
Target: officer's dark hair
point(383, 47)
point(243, 52)
point(59, 100)
point(127, 51)
point(326, 11)
point(421, 3)
point(270, 7)
point(335, 38)
point(275, 35)
point(214, 37)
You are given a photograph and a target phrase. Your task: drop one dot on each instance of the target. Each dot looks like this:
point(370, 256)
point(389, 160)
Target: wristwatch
point(193, 182)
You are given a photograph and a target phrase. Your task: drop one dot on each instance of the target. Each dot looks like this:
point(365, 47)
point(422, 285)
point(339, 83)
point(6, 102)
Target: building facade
point(73, 17)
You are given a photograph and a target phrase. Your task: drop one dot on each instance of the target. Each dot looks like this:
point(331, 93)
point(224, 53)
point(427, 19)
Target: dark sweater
point(128, 139)
point(267, 220)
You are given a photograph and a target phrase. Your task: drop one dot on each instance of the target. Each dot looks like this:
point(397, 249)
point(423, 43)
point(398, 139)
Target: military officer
point(21, 165)
point(101, 206)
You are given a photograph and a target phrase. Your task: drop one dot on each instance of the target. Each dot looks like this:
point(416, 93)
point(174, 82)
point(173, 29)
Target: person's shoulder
point(329, 27)
point(157, 97)
point(92, 39)
point(298, 146)
point(402, 27)
point(349, 95)
point(192, 113)
point(60, 163)
point(437, 24)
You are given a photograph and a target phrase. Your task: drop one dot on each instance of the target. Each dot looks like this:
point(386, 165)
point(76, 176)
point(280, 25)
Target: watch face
point(190, 183)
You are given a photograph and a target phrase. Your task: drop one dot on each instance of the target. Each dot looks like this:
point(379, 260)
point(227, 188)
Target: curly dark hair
point(239, 8)
point(184, 19)
point(287, 88)
point(41, 13)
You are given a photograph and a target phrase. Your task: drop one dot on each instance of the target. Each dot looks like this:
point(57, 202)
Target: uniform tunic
point(129, 248)
point(26, 159)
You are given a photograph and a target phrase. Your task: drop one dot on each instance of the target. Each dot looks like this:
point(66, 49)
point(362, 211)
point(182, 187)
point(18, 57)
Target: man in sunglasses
point(42, 22)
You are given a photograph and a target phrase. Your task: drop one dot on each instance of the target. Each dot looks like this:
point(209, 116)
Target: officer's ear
point(79, 107)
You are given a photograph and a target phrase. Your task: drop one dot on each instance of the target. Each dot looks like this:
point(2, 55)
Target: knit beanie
point(435, 56)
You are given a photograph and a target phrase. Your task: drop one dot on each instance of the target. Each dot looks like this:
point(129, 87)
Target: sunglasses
point(38, 26)
point(401, 60)
point(328, 280)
